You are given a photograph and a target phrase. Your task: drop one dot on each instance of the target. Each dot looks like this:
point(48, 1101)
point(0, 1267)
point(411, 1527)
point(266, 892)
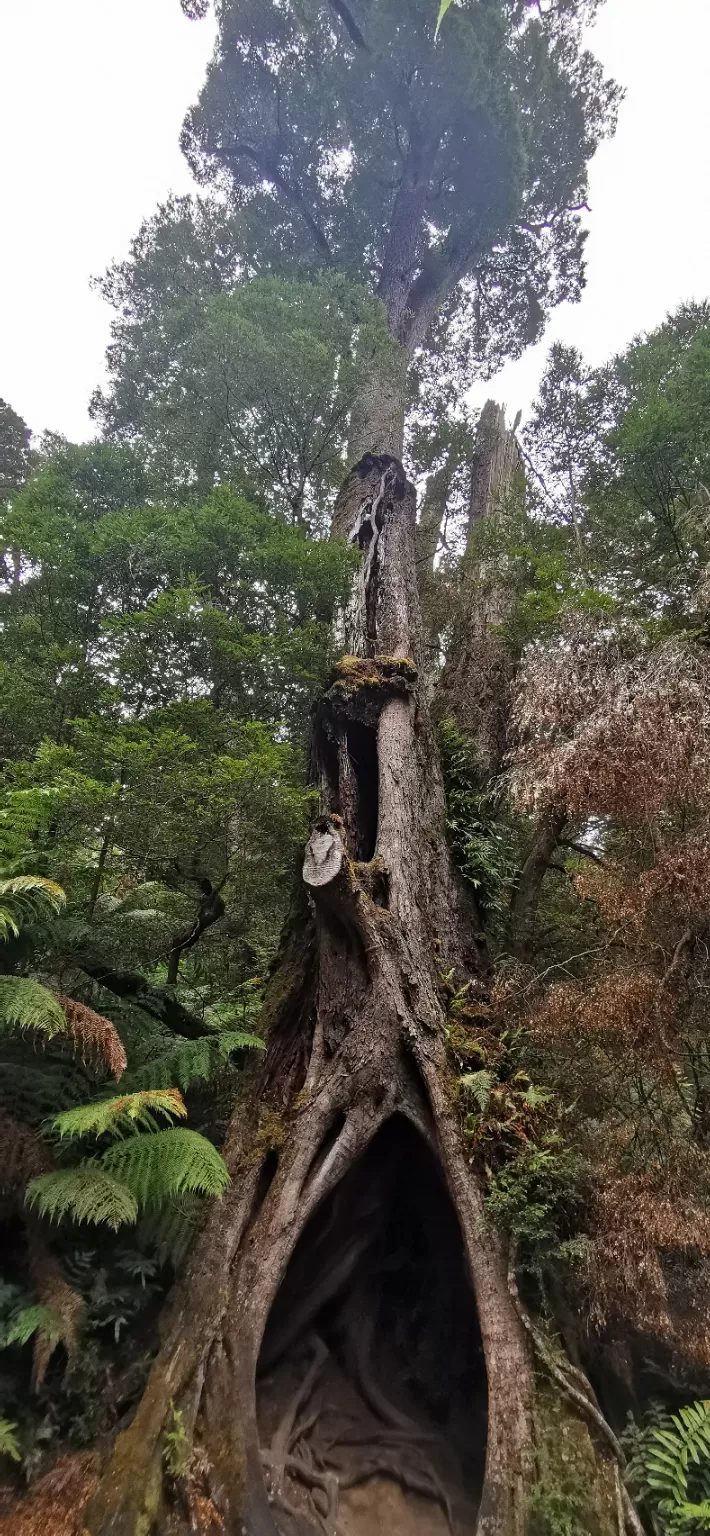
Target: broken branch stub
point(324, 854)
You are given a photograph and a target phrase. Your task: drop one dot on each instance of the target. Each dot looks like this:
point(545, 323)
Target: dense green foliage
point(354, 139)
point(214, 378)
point(15, 451)
point(158, 665)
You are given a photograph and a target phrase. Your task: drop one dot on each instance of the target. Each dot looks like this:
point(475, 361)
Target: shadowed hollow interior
point(372, 1386)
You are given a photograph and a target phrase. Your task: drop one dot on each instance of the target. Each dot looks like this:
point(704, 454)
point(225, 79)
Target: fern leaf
point(672, 1451)
point(193, 1060)
point(9, 1445)
point(33, 1092)
point(128, 1112)
point(155, 1168)
point(238, 1040)
point(26, 1004)
point(171, 1228)
point(22, 896)
point(31, 1320)
point(60, 1301)
point(33, 885)
point(480, 1086)
point(88, 1193)
point(9, 925)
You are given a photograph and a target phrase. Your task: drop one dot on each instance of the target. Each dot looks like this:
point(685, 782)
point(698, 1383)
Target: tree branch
point(526, 896)
point(210, 910)
point(568, 842)
point(271, 172)
point(160, 1002)
point(349, 22)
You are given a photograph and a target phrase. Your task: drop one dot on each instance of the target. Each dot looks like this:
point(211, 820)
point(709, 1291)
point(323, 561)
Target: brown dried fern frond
point(642, 1225)
point(55, 1292)
point(94, 1037)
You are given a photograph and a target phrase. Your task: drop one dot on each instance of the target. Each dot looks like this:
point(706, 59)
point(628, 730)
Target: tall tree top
point(354, 138)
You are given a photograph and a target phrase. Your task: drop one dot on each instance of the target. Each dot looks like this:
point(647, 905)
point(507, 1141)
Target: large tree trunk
point(377, 418)
point(283, 1351)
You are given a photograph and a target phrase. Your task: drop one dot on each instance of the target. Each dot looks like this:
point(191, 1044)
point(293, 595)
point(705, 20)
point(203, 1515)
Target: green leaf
point(167, 1163)
point(443, 8)
point(26, 1004)
point(193, 1060)
point(87, 1193)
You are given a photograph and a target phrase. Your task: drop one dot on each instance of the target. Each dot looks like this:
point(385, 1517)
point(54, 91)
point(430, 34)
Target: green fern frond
point(670, 1463)
point(127, 1112)
point(192, 1061)
point(26, 1004)
point(167, 1163)
point(32, 1093)
point(31, 1320)
point(239, 1040)
point(31, 886)
point(480, 1086)
point(9, 1445)
point(22, 896)
point(171, 1228)
point(25, 812)
point(9, 924)
point(87, 1193)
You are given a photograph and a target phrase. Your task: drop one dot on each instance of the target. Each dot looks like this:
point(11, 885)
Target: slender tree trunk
point(475, 685)
point(356, 1045)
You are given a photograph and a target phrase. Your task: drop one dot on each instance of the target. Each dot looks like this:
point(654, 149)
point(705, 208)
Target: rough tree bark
point(475, 685)
point(356, 1035)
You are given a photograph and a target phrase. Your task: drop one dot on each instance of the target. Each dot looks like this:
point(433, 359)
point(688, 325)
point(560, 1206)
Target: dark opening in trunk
point(372, 1387)
point(362, 751)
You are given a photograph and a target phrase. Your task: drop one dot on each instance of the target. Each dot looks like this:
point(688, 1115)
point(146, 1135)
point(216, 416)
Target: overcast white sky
point(92, 96)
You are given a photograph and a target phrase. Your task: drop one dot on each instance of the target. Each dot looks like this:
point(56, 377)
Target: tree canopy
point(353, 139)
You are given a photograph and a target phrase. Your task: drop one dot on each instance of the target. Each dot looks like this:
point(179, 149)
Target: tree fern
point(26, 1004)
point(24, 813)
point(88, 1193)
point(192, 1060)
point(167, 1163)
point(33, 1092)
point(128, 1112)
